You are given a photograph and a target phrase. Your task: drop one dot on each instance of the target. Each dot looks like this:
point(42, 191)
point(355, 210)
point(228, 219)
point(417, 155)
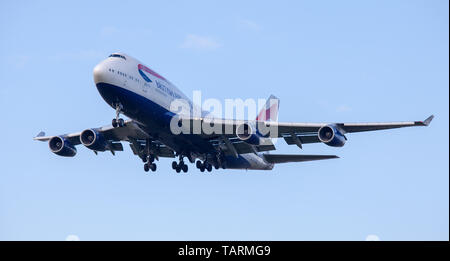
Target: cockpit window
point(118, 56)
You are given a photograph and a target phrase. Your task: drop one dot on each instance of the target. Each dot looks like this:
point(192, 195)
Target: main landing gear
point(148, 157)
point(202, 166)
point(118, 122)
point(181, 166)
point(150, 165)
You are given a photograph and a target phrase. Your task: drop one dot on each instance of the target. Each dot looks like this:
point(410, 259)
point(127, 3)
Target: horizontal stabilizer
point(284, 158)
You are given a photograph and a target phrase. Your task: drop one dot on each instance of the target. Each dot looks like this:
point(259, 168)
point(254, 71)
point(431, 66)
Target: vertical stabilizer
point(270, 110)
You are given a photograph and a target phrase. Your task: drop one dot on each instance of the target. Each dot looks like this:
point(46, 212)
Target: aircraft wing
point(131, 128)
point(227, 140)
point(131, 132)
point(286, 128)
point(228, 127)
point(304, 133)
point(292, 132)
point(73, 138)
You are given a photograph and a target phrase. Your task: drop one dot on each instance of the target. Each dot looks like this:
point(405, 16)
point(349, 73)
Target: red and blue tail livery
point(270, 110)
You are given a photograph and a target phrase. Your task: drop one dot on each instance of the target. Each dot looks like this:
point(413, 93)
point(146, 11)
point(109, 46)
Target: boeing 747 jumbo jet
point(155, 131)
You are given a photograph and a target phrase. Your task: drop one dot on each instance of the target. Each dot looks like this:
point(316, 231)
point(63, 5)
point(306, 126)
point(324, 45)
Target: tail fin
point(270, 110)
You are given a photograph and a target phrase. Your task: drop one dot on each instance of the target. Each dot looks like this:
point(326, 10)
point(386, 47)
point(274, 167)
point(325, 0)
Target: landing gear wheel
point(208, 167)
point(151, 158)
point(114, 123)
point(198, 164)
point(121, 122)
point(202, 168)
point(153, 167)
point(174, 165)
point(146, 167)
point(178, 169)
point(184, 168)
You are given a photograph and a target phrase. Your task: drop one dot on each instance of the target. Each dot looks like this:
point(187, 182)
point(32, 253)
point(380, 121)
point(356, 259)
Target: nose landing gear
point(118, 122)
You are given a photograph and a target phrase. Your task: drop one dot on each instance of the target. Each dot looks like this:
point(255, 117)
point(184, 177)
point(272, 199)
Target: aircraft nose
point(100, 73)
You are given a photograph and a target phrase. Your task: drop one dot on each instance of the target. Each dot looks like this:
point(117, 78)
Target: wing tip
point(41, 137)
point(425, 122)
point(428, 120)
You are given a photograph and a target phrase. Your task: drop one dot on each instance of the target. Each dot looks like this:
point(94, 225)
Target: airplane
point(145, 97)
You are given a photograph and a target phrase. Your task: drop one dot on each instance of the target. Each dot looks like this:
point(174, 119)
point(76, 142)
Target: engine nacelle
point(93, 140)
point(331, 136)
point(62, 147)
point(249, 134)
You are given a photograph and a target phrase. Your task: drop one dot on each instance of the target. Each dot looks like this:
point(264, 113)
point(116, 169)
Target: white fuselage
point(141, 83)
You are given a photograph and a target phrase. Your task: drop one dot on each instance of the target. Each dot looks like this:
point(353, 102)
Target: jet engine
point(62, 147)
point(331, 136)
point(93, 140)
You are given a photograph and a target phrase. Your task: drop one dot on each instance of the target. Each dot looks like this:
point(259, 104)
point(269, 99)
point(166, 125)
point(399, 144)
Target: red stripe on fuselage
point(150, 71)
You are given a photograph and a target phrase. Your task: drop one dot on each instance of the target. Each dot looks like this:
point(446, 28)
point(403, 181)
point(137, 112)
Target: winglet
point(427, 121)
point(41, 137)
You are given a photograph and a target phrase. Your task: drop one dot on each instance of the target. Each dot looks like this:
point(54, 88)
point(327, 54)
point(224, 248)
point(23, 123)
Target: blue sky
point(328, 61)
